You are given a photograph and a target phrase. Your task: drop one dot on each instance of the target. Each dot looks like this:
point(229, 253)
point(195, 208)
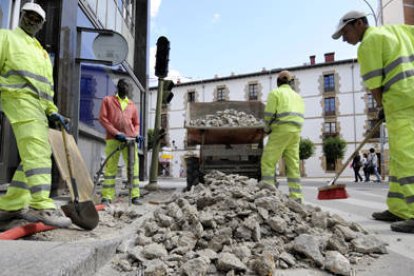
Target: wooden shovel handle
point(69, 161)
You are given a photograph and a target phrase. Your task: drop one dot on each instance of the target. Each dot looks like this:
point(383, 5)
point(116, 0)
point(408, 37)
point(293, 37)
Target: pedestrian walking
point(372, 163)
point(387, 69)
point(284, 116)
point(26, 86)
point(119, 117)
point(365, 167)
point(356, 165)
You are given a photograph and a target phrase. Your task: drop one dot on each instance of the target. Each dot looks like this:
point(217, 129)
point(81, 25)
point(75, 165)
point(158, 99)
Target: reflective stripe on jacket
point(25, 71)
point(386, 57)
point(284, 106)
point(116, 120)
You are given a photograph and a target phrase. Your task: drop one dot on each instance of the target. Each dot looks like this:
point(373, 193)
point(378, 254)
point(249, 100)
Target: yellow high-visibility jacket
point(284, 107)
point(26, 80)
point(386, 58)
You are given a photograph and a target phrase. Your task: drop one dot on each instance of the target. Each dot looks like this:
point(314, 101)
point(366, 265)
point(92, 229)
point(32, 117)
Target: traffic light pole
point(161, 71)
point(157, 138)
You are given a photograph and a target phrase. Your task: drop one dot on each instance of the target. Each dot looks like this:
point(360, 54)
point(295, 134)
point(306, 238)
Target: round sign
point(112, 47)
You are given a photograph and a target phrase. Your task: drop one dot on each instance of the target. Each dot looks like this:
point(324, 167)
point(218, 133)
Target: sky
point(221, 37)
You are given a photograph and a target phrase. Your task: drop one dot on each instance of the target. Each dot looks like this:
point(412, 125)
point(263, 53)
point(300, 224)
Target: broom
point(338, 191)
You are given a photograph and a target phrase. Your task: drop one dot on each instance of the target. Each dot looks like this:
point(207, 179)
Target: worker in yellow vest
point(119, 116)
point(386, 58)
point(26, 86)
point(284, 116)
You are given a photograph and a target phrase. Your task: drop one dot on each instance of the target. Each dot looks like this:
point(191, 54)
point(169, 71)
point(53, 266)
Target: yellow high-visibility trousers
point(400, 198)
point(31, 182)
point(282, 143)
point(111, 169)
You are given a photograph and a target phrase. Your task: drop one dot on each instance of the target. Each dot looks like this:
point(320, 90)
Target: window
point(329, 128)
point(329, 106)
point(220, 94)
point(372, 105)
point(329, 83)
point(253, 92)
point(191, 97)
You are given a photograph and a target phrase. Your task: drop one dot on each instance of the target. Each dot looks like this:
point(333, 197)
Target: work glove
point(381, 114)
point(139, 139)
point(267, 129)
point(58, 118)
point(120, 137)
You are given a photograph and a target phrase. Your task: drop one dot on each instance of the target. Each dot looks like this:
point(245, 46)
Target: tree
point(306, 150)
point(334, 149)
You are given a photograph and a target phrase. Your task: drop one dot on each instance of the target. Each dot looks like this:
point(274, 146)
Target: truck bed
point(224, 135)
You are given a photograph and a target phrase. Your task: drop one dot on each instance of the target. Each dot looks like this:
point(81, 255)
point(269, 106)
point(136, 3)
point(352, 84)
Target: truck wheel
point(193, 172)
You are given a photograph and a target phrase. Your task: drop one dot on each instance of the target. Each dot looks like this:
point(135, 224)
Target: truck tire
point(193, 172)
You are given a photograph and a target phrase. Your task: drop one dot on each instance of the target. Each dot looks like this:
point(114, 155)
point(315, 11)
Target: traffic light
point(167, 95)
point(162, 57)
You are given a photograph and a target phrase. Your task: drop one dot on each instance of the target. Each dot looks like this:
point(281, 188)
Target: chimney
point(330, 57)
point(312, 59)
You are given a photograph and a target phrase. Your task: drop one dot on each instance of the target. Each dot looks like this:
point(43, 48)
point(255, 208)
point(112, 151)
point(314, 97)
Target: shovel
point(83, 214)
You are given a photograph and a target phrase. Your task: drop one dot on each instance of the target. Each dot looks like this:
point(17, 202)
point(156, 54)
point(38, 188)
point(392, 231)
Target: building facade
point(80, 82)
point(336, 104)
point(397, 12)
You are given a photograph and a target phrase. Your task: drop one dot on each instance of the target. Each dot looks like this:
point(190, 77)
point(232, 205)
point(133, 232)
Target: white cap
point(348, 17)
point(35, 8)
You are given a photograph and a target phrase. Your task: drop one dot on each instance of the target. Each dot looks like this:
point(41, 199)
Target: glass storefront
point(97, 81)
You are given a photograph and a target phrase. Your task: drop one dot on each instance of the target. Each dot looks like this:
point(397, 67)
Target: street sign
point(110, 47)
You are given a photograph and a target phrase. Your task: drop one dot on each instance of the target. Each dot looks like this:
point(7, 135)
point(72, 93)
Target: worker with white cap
point(26, 86)
point(284, 117)
point(386, 58)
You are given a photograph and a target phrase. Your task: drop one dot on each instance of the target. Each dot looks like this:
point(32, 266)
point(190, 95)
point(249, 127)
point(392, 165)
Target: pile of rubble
point(227, 118)
point(229, 226)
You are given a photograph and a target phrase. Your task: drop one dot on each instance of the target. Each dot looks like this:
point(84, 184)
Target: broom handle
point(369, 135)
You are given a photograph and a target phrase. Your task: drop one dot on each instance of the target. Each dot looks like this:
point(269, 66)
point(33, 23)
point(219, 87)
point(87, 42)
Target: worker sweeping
point(284, 116)
point(385, 55)
point(119, 116)
point(26, 85)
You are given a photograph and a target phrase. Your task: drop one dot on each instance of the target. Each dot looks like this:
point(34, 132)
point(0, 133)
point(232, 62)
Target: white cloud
point(216, 17)
point(155, 6)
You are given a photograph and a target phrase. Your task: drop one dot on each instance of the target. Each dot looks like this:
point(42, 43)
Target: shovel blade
point(82, 214)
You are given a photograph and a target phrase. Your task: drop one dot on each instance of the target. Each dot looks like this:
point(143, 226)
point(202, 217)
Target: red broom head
point(333, 193)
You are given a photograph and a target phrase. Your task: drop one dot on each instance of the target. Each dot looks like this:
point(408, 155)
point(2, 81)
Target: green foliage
point(334, 148)
point(306, 148)
point(150, 138)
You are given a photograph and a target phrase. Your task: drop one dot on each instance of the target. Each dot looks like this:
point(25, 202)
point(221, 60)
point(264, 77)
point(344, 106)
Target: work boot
point(406, 226)
point(136, 201)
point(106, 201)
point(52, 217)
point(266, 186)
point(386, 216)
point(298, 200)
point(10, 215)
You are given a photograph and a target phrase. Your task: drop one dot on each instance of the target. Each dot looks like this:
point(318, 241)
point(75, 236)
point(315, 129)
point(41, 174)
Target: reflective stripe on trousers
point(111, 169)
point(286, 145)
point(32, 181)
point(400, 199)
